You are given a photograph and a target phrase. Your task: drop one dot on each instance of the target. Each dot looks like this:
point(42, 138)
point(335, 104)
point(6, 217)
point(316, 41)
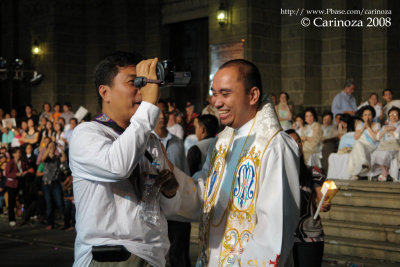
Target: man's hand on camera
point(147, 68)
point(169, 185)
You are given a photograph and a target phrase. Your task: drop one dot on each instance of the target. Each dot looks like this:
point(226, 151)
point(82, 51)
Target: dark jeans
point(12, 199)
point(308, 254)
point(53, 195)
point(179, 237)
point(69, 216)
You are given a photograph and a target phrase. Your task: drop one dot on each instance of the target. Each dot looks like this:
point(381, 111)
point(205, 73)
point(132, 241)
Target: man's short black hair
point(249, 74)
point(349, 82)
point(107, 69)
point(327, 113)
point(387, 89)
point(68, 104)
point(211, 124)
point(74, 119)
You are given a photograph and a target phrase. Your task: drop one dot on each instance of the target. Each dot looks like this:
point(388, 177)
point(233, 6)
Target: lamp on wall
point(222, 15)
point(36, 48)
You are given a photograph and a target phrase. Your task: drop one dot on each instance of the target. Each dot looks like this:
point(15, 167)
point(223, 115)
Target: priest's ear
point(104, 92)
point(255, 96)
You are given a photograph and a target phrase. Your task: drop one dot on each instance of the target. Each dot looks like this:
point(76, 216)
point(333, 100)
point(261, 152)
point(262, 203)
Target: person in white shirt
point(110, 159)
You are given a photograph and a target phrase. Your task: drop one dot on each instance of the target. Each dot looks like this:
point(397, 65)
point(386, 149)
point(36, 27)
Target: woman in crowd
point(308, 247)
point(31, 136)
point(366, 142)
point(284, 111)
point(48, 131)
point(58, 136)
point(15, 169)
point(56, 113)
point(311, 134)
point(329, 138)
point(298, 123)
point(52, 189)
point(373, 101)
point(389, 145)
point(29, 189)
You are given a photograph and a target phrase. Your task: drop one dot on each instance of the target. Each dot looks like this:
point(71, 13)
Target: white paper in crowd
point(81, 113)
point(10, 121)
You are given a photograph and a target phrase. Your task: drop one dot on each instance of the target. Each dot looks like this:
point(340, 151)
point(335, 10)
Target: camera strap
point(135, 176)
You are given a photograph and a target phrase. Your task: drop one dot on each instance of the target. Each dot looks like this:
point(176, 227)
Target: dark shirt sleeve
point(318, 177)
point(194, 159)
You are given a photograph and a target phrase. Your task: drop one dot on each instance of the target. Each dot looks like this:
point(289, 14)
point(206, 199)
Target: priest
point(247, 194)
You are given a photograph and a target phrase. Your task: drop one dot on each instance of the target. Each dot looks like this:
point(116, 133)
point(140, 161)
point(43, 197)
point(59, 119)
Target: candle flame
point(330, 184)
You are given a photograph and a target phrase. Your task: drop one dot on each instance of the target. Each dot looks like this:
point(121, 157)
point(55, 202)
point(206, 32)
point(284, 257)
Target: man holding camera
point(109, 159)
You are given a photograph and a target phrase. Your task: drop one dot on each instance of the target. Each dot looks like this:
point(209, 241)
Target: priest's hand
point(167, 182)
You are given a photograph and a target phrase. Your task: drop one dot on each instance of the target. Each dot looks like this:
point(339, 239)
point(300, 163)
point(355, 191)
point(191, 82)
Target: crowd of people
point(363, 138)
point(36, 179)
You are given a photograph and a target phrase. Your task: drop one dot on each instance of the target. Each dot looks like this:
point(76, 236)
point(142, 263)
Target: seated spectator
point(8, 135)
point(387, 95)
point(48, 131)
point(298, 123)
point(66, 137)
point(284, 111)
point(29, 114)
point(311, 134)
point(42, 125)
point(46, 112)
point(58, 135)
point(206, 128)
point(373, 101)
point(389, 146)
point(31, 136)
point(56, 113)
point(346, 132)
point(67, 114)
point(366, 142)
point(337, 119)
point(329, 138)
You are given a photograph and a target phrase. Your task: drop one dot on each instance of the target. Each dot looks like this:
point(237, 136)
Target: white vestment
point(248, 188)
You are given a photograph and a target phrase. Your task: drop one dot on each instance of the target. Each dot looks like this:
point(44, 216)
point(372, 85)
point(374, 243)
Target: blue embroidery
point(245, 181)
point(212, 182)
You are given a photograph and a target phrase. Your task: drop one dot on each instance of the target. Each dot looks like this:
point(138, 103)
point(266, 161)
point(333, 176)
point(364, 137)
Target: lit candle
point(327, 185)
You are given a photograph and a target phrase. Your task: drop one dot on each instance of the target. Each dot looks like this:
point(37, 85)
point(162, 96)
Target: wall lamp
point(36, 48)
point(222, 15)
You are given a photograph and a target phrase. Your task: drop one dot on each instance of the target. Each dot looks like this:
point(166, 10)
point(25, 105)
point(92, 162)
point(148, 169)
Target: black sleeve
point(194, 159)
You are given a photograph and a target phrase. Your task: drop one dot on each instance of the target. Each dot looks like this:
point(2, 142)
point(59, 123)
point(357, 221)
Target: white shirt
point(177, 130)
point(107, 210)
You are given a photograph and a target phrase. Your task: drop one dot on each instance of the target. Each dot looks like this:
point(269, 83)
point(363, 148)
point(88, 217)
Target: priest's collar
point(244, 129)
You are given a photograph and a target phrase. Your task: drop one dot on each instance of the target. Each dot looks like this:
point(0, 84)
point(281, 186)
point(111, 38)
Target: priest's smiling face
point(234, 104)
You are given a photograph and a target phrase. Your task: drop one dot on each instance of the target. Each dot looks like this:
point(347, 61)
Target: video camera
point(166, 76)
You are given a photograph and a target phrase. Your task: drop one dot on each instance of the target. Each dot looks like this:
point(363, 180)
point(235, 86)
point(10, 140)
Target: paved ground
point(32, 245)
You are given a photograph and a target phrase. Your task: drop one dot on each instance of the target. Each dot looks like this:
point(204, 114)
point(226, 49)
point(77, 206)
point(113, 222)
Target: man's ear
point(254, 95)
point(104, 91)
